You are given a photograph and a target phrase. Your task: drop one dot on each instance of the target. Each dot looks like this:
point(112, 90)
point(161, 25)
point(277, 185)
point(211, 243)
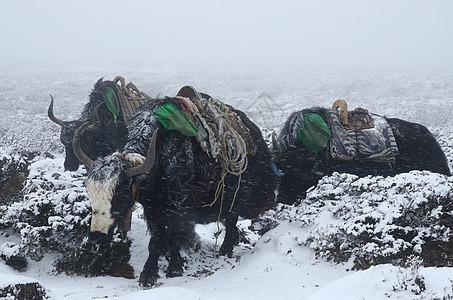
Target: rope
point(233, 162)
point(234, 153)
point(131, 98)
point(233, 157)
point(226, 144)
point(221, 191)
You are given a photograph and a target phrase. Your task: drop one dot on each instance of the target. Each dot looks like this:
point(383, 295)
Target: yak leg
point(175, 261)
point(180, 232)
point(175, 264)
point(231, 236)
point(149, 275)
point(150, 272)
point(125, 224)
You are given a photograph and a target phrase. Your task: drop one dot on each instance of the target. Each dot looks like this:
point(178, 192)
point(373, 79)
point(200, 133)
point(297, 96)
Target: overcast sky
point(318, 32)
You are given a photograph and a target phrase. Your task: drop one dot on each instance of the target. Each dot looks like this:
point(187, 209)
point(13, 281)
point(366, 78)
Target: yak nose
point(71, 165)
point(71, 168)
point(98, 238)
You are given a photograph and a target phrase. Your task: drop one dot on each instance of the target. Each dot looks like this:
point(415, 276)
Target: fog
point(228, 33)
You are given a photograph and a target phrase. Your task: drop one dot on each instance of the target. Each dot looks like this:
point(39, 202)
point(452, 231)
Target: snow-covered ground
point(278, 264)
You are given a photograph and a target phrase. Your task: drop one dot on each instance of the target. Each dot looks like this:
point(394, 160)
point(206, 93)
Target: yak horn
point(97, 123)
point(51, 115)
point(340, 103)
point(83, 158)
point(277, 153)
point(149, 161)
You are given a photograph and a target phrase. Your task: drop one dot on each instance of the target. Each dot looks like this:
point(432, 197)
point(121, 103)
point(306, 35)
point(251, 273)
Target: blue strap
point(276, 171)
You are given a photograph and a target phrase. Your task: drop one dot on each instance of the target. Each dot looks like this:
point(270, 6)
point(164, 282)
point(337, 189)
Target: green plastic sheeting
point(112, 103)
point(174, 119)
point(315, 133)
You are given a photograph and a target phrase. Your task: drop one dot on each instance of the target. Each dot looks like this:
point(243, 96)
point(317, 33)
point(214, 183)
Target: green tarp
point(112, 103)
point(174, 119)
point(315, 133)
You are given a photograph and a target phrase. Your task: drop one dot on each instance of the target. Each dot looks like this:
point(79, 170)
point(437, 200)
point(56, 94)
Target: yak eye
point(103, 214)
point(95, 212)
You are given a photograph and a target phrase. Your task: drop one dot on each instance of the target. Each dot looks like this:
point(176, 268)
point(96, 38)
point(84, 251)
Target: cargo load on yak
point(220, 131)
point(350, 135)
point(360, 135)
point(129, 99)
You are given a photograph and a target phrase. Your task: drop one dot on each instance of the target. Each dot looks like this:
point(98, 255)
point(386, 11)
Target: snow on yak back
point(176, 180)
point(417, 149)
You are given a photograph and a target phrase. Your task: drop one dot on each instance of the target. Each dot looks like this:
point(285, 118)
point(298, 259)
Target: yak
point(105, 135)
point(177, 183)
point(107, 131)
point(302, 167)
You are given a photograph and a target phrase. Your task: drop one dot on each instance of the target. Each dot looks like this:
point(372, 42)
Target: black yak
point(178, 181)
point(302, 167)
point(107, 133)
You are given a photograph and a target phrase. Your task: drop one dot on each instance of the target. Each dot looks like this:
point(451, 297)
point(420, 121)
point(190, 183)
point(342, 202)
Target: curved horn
point(149, 162)
point(277, 155)
point(51, 115)
point(97, 123)
point(83, 158)
point(340, 103)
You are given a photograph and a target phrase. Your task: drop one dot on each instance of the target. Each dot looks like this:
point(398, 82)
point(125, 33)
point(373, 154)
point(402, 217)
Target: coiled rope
point(225, 144)
point(233, 159)
point(131, 98)
point(234, 152)
point(233, 149)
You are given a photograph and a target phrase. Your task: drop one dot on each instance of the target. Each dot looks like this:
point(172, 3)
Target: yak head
point(97, 96)
point(103, 136)
point(68, 129)
point(106, 186)
point(109, 186)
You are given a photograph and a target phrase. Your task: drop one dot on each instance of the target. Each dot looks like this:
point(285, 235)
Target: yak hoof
point(147, 281)
point(226, 252)
point(174, 272)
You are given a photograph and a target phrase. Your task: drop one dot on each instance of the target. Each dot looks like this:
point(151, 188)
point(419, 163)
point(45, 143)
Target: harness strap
point(211, 182)
point(135, 190)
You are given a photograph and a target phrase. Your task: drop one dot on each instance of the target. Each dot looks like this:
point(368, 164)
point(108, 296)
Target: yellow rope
point(218, 219)
point(237, 190)
point(234, 162)
point(225, 171)
point(220, 188)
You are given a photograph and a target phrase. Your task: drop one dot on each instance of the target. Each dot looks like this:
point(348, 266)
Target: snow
point(380, 282)
point(283, 263)
point(268, 271)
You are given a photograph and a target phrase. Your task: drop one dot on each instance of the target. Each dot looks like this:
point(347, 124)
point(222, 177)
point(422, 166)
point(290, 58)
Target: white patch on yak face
point(100, 194)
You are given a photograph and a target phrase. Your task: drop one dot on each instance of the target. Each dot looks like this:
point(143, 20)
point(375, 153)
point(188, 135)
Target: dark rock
point(24, 291)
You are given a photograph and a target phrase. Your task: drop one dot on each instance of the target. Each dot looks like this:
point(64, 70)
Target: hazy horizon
point(234, 33)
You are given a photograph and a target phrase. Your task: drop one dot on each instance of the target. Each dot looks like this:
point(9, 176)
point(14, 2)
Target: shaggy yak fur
point(174, 191)
point(105, 139)
point(418, 150)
